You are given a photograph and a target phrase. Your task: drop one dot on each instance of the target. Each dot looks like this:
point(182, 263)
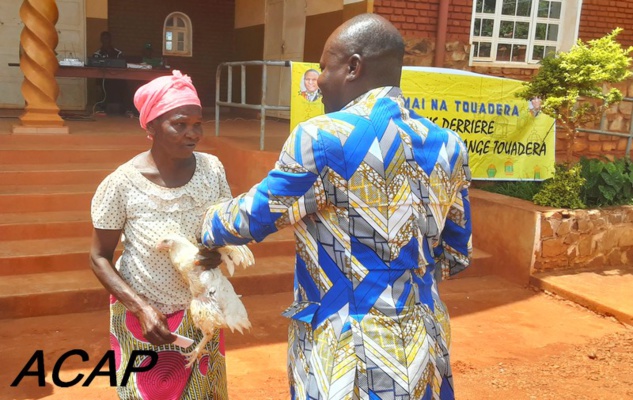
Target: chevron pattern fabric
point(378, 200)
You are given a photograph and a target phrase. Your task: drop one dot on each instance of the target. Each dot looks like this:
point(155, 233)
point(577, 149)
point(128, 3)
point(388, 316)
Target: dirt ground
point(509, 342)
point(598, 369)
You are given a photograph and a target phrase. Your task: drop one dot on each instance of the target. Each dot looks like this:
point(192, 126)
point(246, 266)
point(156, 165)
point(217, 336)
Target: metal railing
point(604, 131)
point(262, 107)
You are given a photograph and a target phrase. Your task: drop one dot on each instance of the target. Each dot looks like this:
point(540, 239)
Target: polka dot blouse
point(146, 212)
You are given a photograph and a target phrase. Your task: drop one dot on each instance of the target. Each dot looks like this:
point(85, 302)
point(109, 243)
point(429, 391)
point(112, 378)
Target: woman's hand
point(154, 326)
point(207, 258)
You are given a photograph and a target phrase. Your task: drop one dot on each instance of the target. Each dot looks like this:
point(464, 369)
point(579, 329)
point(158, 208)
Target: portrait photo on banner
point(305, 99)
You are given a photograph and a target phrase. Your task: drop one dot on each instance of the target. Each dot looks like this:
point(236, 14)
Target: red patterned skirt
point(169, 378)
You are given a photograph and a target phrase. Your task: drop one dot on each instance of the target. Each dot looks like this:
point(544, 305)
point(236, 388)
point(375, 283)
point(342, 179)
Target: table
point(130, 74)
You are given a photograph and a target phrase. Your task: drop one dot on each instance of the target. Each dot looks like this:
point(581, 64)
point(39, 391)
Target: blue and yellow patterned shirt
point(378, 200)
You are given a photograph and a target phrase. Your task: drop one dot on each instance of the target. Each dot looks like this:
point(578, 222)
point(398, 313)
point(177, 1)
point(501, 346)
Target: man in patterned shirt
point(378, 200)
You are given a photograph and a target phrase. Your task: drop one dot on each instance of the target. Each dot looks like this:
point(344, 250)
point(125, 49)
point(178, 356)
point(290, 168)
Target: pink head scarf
point(164, 94)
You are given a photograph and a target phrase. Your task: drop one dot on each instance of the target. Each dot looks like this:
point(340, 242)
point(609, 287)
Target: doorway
point(284, 34)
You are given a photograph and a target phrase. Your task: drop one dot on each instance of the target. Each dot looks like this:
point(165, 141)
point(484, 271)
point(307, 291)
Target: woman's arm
point(153, 322)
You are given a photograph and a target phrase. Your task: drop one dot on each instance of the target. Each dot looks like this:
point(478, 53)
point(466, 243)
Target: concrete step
point(52, 189)
point(30, 199)
point(61, 167)
point(52, 156)
point(45, 225)
point(50, 293)
point(269, 275)
point(477, 267)
point(73, 146)
point(31, 256)
point(23, 257)
point(95, 154)
point(137, 138)
point(58, 175)
point(63, 292)
point(280, 243)
point(130, 138)
point(606, 290)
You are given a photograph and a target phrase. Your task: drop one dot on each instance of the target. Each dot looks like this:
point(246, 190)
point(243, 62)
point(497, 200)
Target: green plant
point(521, 189)
point(566, 77)
point(563, 190)
point(607, 182)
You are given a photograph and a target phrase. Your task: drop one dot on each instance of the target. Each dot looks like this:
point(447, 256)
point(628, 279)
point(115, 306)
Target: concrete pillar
point(39, 65)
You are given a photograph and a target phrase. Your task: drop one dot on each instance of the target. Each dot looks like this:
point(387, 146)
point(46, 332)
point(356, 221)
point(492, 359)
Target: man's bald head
point(363, 53)
point(373, 37)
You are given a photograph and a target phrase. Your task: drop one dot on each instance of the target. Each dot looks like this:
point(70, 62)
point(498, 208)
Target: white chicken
point(214, 304)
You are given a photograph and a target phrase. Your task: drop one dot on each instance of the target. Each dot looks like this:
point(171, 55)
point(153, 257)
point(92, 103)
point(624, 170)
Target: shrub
point(521, 189)
point(590, 183)
point(607, 183)
point(563, 190)
point(566, 77)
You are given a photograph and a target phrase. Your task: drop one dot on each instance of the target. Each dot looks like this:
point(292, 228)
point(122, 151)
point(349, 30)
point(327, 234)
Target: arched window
point(177, 33)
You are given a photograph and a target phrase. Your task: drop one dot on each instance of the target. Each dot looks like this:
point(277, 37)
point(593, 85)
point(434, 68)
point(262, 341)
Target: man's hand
point(207, 258)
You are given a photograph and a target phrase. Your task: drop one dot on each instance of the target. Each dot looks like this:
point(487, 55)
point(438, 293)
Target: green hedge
point(590, 183)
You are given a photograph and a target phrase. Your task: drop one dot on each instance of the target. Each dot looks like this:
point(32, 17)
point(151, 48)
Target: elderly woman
point(164, 190)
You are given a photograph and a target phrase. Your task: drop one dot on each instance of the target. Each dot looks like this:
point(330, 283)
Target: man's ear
point(354, 67)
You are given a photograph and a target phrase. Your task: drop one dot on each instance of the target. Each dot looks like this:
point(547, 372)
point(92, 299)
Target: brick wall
point(134, 23)
point(617, 119)
point(460, 13)
point(418, 18)
point(417, 21)
point(599, 17)
point(412, 18)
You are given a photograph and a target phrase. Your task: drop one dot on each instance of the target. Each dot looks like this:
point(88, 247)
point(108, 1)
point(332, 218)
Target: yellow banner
point(507, 138)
